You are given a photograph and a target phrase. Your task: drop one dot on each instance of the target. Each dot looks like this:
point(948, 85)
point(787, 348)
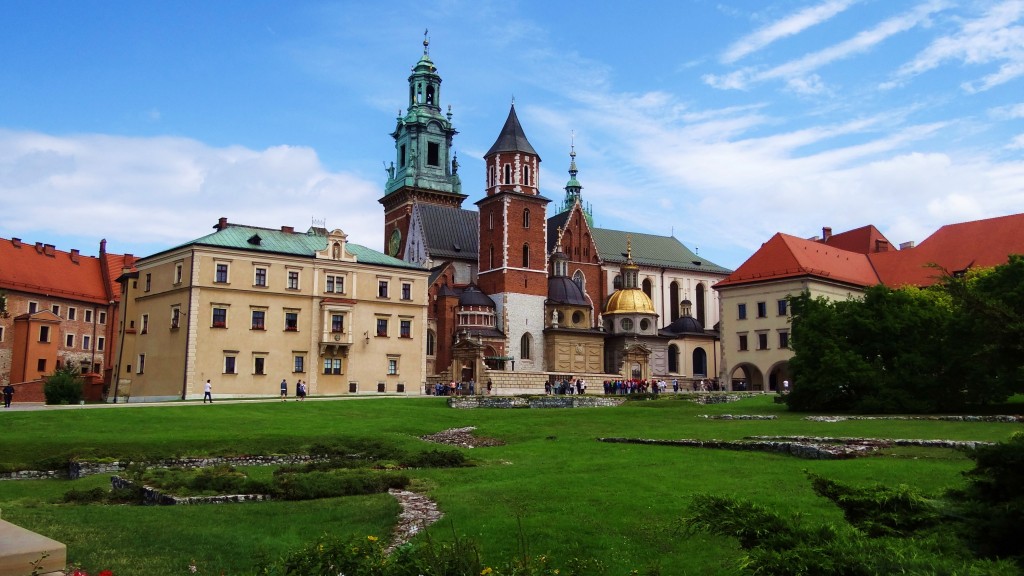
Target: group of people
point(566, 386)
point(454, 388)
point(300, 390)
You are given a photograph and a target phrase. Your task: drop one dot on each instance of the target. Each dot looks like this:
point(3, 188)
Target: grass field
point(573, 496)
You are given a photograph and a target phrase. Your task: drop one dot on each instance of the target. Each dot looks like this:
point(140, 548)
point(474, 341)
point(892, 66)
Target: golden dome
point(628, 301)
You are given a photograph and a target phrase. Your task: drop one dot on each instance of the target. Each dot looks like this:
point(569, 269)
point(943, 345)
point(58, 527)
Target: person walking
point(8, 395)
point(284, 390)
point(208, 392)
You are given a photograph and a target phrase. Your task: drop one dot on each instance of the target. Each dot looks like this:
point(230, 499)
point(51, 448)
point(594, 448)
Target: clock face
point(394, 243)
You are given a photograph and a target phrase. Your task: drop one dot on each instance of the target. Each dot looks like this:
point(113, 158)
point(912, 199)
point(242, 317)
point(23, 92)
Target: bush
point(330, 484)
point(85, 496)
point(435, 459)
point(64, 386)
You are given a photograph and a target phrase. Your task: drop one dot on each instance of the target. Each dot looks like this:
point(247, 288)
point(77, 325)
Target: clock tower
point(425, 168)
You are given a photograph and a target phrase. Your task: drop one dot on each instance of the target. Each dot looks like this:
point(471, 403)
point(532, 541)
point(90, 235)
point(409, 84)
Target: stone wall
point(81, 468)
point(154, 497)
point(574, 401)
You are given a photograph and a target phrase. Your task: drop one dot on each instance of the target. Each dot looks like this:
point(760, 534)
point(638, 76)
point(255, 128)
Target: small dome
point(685, 325)
point(562, 290)
point(628, 301)
point(472, 296)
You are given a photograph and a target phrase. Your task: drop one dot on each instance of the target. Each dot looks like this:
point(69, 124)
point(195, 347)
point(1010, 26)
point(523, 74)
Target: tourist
point(302, 390)
point(284, 390)
point(8, 395)
point(208, 392)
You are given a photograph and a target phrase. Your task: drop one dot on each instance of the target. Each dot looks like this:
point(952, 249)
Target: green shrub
point(85, 496)
point(339, 483)
point(64, 386)
point(435, 459)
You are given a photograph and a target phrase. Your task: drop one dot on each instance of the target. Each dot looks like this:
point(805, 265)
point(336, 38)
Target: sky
point(720, 122)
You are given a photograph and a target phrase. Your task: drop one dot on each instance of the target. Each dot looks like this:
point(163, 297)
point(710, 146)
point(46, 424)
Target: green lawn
point(574, 496)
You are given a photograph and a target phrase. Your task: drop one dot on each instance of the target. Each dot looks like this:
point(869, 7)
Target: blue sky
point(718, 121)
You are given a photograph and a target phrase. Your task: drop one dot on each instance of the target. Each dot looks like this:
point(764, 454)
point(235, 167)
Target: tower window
point(526, 255)
point(401, 155)
point(433, 154)
point(508, 173)
point(430, 94)
point(526, 217)
point(526, 175)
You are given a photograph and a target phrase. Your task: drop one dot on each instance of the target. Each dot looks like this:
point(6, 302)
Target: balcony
point(335, 343)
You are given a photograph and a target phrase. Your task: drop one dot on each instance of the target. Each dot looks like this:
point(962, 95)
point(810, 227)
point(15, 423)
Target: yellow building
point(247, 307)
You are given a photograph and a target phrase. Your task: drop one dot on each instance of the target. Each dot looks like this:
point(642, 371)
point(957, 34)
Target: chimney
point(288, 229)
point(907, 245)
point(826, 233)
point(74, 255)
point(222, 223)
point(103, 247)
point(48, 250)
point(129, 260)
point(881, 245)
point(39, 247)
point(16, 242)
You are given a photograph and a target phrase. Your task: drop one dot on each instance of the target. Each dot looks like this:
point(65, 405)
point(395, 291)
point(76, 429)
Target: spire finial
point(426, 42)
point(629, 247)
point(513, 100)
point(572, 143)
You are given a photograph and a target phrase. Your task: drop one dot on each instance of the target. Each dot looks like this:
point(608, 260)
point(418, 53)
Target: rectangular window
point(175, 317)
point(405, 329)
point(86, 343)
point(332, 365)
point(762, 309)
point(382, 386)
point(261, 277)
point(330, 284)
point(783, 340)
point(783, 307)
point(382, 326)
point(743, 342)
point(222, 274)
point(72, 313)
point(33, 307)
point(382, 288)
point(177, 273)
point(141, 364)
point(41, 365)
point(100, 344)
point(337, 322)
point(291, 321)
point(88, 315)
point(44, 333)
point(55, 309)
point(392, 366)
point(741, 311)
point(293, 280)
point(220, 317)
point(300, 364)
point(145, 324)
point(149, 282)
point(401, 156)
point(406, 291)
point(433, 154)
point(259, 319)
point(258, 365)
point(69, 340)
point(102, 318)
point(762, 341)
point(229, 365)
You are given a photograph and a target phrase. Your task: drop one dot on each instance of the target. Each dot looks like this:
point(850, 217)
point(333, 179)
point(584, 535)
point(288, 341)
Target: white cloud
point(170, 190)
point(1007, 112)
point(788, 26)
point(990, 38)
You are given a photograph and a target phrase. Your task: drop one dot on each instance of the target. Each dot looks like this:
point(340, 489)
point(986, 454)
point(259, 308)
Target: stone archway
point(746, 377)
point(636, 360)
point(777, 374)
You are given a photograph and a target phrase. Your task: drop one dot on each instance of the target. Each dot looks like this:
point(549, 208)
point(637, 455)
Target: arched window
point(700, 362)
point(524, 346)
point(492, 175)
point(526, 255)
point(526, 217)
point(431, 342)
point(647, 288)
point(508, 173)
point(700, 306)
point(490, 257)
point(490, 220)
point(430, 94)
point(673, 359)
point(673, 298)
point(579, 279)
point(526, 175)
point(617, 282)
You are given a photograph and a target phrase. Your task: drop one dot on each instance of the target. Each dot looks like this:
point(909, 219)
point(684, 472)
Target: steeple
point(574, 190)
point(512, 138)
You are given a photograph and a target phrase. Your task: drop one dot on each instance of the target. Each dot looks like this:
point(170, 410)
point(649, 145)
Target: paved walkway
point(27, 406)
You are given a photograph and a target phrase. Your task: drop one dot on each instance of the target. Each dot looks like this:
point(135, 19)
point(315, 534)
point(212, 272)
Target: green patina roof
point(651, 250)
point(305, 245)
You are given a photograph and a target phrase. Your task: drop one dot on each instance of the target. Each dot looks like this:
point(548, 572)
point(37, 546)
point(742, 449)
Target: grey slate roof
point(256, 239)
point(450, 232)
point(512, 137)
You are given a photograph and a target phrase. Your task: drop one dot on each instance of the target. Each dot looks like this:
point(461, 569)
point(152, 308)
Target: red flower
point(106, 573)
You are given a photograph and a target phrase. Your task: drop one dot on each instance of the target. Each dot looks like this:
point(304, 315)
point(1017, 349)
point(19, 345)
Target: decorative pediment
point(336, 247)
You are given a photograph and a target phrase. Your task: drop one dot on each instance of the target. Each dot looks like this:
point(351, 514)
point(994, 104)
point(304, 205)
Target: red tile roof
point(954, 247)
point(40, 268)
point(863, 240)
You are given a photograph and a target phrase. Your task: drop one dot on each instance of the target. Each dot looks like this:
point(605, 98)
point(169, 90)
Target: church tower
point(424, 169)
point(513, 236)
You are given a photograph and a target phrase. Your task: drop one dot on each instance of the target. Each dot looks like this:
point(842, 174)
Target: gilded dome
point(628, 301)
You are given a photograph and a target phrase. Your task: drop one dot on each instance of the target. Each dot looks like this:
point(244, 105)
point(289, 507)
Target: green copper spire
point(423, 137)
point(574, 190)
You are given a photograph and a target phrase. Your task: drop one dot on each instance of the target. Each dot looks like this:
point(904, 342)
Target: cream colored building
point(246, 307)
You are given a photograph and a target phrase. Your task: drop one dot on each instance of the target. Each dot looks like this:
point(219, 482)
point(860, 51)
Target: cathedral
point(517, 297)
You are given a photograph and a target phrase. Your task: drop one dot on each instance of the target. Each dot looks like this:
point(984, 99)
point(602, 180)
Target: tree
point(64, 386)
